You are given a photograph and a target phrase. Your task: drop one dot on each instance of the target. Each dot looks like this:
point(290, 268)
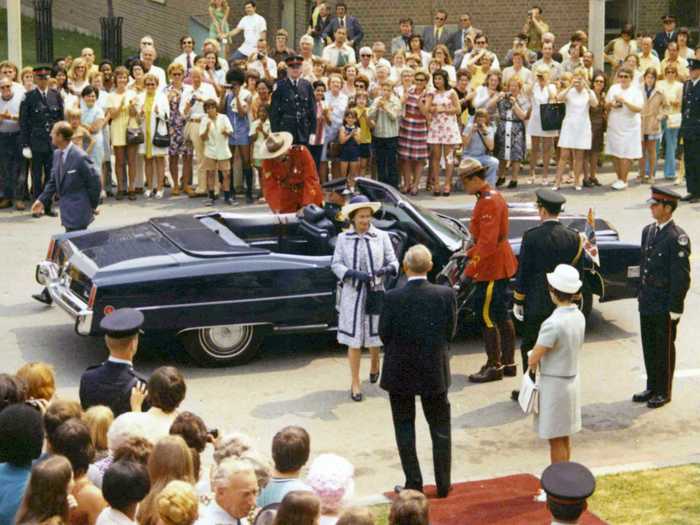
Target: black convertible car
point(223, 281)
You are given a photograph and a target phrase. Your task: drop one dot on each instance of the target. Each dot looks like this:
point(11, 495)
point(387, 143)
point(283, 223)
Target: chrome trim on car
point(192, 328)
point(235, 301)
point(48, 274)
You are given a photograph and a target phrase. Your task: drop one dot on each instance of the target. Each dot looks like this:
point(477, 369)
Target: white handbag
point(674, 120)
point(529, 395)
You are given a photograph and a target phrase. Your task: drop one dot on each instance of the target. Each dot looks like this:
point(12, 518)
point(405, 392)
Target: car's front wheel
point(227, 345)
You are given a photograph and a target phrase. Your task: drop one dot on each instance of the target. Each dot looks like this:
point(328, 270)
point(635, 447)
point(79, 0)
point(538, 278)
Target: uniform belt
point(654, 282)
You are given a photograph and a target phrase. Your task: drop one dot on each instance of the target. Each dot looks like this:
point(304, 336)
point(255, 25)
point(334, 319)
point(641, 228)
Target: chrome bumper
point(47, 274)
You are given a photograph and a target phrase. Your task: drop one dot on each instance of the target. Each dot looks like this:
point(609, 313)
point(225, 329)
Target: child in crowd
point(81, 135)
point(349, 138)
point(214, 132)
point(291, 447)
point(259, 131)
point(218, 12)
point(365, 140)
point(318, 137)
point(93, 118)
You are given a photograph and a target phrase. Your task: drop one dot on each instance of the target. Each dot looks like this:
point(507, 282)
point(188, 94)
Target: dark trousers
point(530, 330)
point(316, 152)
point(691, 155)
point(385, 151)
point(659, 347)
point(437, 413)
point(41, 172)
point(11, 180)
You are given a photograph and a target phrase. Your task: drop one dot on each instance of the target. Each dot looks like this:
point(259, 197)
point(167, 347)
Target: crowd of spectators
point(402, 111)
point(61, 464)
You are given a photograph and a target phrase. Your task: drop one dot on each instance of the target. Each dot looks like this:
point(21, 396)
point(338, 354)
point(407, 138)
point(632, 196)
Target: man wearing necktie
point(665, 279)
point(293, 106)
point(350, 23)
point(663, 38)
point(463, 38)
point(40, 110)
point(235, 489)
point(437, 34)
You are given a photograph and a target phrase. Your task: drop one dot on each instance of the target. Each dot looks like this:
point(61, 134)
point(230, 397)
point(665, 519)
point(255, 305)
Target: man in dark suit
point(75, 179)
point(417, 323)
point(542, 249)
point(350, 23)
point(662, 38)
point(293, 106)
point(690, 131)
point(401, 42)
point(665, 272)
point(463, 38)
point(436, 34)
point(113, 382)
point(41, 109)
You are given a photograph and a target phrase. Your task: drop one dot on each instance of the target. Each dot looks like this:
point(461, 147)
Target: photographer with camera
point(534, 27)
point(262, 63)
point(478, 142)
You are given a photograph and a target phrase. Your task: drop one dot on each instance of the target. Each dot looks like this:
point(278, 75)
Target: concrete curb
point(381, 499)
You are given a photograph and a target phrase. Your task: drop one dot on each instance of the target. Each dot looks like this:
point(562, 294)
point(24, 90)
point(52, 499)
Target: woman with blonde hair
point(77, 76)
point(177, 504)
point(651, 126)
point(154, 109)
point(40, 380)
point(672, 89)
point(170, 460)
point(98, 419)
point(442, 55)
point(541, 92)
point(48, 492)
point(121, 111)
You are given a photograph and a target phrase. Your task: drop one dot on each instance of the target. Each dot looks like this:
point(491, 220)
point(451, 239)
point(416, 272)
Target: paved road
point(304, 380)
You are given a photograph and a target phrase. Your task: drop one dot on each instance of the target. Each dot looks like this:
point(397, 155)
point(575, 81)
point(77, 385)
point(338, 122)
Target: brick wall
point(649, 15)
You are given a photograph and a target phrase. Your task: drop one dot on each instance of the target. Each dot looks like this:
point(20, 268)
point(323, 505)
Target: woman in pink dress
point(443, 131)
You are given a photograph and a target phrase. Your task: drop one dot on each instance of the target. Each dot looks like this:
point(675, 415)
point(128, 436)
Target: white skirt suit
point(367, 252)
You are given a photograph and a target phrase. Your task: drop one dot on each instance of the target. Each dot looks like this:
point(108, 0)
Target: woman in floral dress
point(179, 145)
point(443, 132)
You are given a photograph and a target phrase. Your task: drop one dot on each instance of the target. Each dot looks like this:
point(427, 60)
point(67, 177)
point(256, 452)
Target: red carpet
point(498, 501)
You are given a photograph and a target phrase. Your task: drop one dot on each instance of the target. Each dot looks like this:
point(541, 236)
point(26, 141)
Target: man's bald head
point(418, 260)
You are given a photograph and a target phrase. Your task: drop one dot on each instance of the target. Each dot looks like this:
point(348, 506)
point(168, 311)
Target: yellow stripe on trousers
point(487, 305)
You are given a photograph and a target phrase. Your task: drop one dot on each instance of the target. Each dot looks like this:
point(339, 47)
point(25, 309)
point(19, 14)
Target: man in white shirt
point(647, 58)
point(11, 185)
point(253, 27)
point(339, 53)
point(555, 68)
point(186, 59)
point(262, 63)
point(235, 489)
point(192, 107)
point(481, 48)
point(378, 52)
point(148, 58)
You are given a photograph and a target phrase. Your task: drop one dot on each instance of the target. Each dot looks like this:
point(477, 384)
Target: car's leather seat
point(318, 229)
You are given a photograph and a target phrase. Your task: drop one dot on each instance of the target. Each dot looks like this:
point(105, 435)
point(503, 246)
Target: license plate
point(633, 272)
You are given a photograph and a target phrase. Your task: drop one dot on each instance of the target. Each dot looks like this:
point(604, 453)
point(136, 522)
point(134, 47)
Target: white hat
point(275, 145)
point(358, 202)
point(565, 278)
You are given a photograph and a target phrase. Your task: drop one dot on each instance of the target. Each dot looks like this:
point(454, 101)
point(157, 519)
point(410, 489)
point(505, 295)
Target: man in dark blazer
point(663, 38)
point(438, 33)
point(75, 180)
point(350, 23)
point(293, 106)
point(417, 323)
point(111, 383)
point(690, 131)
point(41, 109)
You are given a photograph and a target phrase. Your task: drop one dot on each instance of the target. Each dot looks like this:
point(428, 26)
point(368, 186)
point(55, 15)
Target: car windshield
point(446, 230)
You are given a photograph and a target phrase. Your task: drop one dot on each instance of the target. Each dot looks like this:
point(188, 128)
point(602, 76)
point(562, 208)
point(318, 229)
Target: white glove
point(26, 153)
point(519, 312)
point(674, 316)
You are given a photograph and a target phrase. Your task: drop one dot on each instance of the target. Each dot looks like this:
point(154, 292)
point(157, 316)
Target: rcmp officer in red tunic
point(665, 276)
point(491, 265)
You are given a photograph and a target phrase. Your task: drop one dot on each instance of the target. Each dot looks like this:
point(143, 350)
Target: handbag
point(674, 120)
point(552, 115)
point(135, 136)
point(161, 135)
point(528, 399)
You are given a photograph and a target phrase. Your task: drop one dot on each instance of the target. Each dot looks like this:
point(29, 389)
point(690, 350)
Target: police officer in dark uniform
point(337, 194)
point(568, 485)
point(663, 38)
point(40, 110)
point(665, 273)
point(111, 383)
point(542, 249)
point(293, 107)
point(690, 131)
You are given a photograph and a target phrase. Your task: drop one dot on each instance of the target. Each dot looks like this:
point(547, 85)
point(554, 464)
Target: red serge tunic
point(291, 184)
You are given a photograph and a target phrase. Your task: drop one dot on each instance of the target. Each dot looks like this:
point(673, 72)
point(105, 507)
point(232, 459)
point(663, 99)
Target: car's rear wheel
point(227, 345)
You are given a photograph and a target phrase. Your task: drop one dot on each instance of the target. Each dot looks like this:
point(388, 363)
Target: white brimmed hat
point(276, 145)
point(565, 278)
point(358, 202)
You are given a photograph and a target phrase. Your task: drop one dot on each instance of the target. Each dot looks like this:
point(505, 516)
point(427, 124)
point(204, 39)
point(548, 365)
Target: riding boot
point(492, 370)
point(507, 331)
point(248, 180)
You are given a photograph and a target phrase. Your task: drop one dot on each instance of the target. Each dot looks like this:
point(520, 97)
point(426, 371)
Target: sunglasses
point(439, 18)
point(151, 85)
point(366, 56)
point(175, 74)
point(623, 76)
point(188, 42)
point(146, 43)
point(420, 79)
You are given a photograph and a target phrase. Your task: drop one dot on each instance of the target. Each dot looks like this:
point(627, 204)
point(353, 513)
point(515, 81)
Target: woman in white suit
point(363, 256)
point(154, 109)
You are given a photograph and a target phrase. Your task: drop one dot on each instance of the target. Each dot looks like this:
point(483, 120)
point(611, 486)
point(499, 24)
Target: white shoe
point(159, 194)
point(555, 188)
point(103, 194)
point(578, 188)
point(147, 194)
point(618, 185)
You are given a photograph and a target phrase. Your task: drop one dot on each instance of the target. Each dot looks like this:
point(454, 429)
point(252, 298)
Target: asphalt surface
point(305, 380)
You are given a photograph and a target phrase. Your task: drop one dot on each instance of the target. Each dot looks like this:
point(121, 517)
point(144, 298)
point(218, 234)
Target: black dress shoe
point(500, 181)
point(43, 297)
point(50, 213)
point(355, 397)
point(658, 401)
point(642, 397)
point(487, 374)
point(444, 492)
point(513, 184)
point(510, 370)
point(373, 378)
point(514, 395)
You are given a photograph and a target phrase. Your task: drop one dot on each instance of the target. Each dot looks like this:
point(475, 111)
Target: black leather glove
point(363, 277)
point(386, 270)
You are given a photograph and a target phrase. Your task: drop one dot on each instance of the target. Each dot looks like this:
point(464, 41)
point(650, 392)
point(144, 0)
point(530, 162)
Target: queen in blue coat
point(363, 256)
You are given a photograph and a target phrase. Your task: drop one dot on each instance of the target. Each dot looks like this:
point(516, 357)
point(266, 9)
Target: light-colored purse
point(674, 120)
point(529, 395)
